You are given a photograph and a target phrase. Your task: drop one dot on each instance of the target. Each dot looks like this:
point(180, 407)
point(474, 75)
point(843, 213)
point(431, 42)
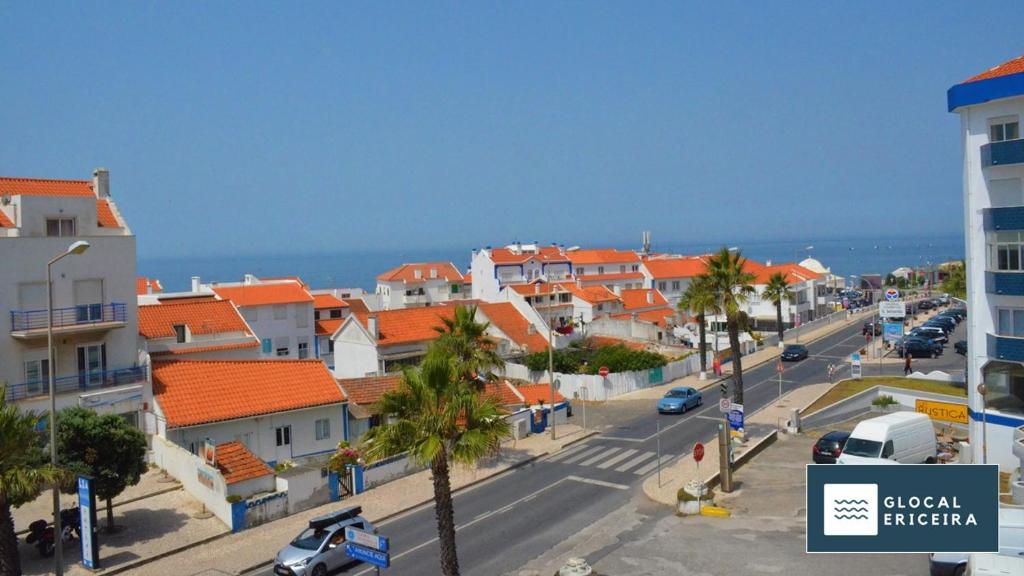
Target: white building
point(493, 269)
point(420, 284)
point(801, 309)
point(671, 275)
point(96, 362)
point(195, 328)
point(990, 106)
point(279, 311)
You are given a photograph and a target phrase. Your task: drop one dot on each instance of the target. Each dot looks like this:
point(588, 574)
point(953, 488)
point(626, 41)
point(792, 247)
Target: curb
point(164, 554)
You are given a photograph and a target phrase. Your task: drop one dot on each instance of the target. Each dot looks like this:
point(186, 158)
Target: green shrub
point(884, 400)
point(232, 498)
point(683, 496)
point(619, 358)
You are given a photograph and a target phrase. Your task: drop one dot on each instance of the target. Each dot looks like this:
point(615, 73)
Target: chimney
point(536, 288)
point(195, 283)
point(417, 273)
point(650, 297)
point(531, 329)
point(249, 279)
point(101, 182)
point(767, 262)
point(433, 272)
point(149, 286)
point(371, 326)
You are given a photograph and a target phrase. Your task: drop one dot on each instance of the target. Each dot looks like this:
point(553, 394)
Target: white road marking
point(598, 482)
point(652, 465)
point(634, 461)
point(584, 454)
point(599, 456)
point(568, 452)
point(615, 460)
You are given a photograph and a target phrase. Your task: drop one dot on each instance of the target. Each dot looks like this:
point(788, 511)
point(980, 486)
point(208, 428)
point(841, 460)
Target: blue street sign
point(736, 417)
point(892, 331)
point(366, 539)
point(87, 508)
point(364, 554)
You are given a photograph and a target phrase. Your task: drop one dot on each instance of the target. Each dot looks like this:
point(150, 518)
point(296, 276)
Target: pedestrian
point(906, 363)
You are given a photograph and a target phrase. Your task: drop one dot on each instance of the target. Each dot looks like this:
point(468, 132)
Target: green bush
point(884, 400)
point(619, 358)
point(232, 498)
point(683, 496)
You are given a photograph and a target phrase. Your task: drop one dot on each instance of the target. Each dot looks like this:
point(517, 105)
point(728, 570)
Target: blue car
point(679, 400)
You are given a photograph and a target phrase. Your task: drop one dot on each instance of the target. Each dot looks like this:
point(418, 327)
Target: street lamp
point(74, 249)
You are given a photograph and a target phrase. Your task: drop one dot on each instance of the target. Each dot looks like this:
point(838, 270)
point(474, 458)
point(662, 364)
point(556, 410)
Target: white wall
point(296, 325)
point(355, 354)
point(185, 467)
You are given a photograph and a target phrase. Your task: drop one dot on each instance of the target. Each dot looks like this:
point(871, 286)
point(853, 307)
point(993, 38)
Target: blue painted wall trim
point(1004, 153)
point(997, 419)
point(982, 91)
point(237, 516)
point(1005, 283)
point(344, 422)
point(1002, 219)
point(334, 486)
point(1005, 348)
point(316, 345)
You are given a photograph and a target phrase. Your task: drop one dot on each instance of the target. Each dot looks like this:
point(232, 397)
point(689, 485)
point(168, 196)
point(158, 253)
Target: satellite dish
point(5, 199)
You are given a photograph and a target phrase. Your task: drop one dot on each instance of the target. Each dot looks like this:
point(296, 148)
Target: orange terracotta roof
point(595, 294)
point(685, 267)
point(544, 254)
point(658, 316)
point(642, 298)
point(407, 325)
point(602, 256)
point(5, 222)
point(427, 271)
point(193, 392)
point(172, 299)
point(369, 390)
point(105, 214)
point(145, 285)
point(1014, 66)
point(534, 394)
point(46, 187)
point(328, 326)
point(264, 294)
point(201, 317)
point(321, 301)
point(467, 278)
point(794, 273)
point(357, 306)
point(237, 464)
point(501, 392)
point(505, 317)
point(602, 341)
point(254, 343)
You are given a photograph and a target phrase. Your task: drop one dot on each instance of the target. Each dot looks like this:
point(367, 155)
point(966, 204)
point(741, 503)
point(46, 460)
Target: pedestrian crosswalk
point(630, 460)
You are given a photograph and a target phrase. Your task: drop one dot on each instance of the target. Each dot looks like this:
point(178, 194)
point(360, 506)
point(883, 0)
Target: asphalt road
point(507, 521)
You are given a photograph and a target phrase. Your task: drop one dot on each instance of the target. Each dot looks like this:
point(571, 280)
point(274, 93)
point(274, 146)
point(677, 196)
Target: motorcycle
point(40, 532)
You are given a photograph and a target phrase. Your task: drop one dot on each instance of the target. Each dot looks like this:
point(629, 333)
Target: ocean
point(360, 269)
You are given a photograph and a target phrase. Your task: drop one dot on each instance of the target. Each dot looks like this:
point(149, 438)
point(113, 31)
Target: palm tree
point(466, 340)
point(732, 285)
point(23, 474)
point(438, 416)
point(778, 291)
point(699, 298)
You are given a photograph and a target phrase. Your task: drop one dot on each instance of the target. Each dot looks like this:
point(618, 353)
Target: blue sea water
point(360, 269)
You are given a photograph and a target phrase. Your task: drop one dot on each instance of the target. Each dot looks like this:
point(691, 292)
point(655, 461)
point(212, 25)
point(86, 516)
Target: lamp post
point(551, 367)
point(75, 248)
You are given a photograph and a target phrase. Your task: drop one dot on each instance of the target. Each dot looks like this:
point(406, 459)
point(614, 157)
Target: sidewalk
point(238, 553)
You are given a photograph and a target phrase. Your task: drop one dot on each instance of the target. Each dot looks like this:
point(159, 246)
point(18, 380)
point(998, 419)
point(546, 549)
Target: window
point(455, 288)
point(1005, 249)
point(564, 297)
point(283, 351)
point(330, 346)
point(303, 350)
point(600, 269)
point(336, 313)
point(280, 311)
point(1006, 128)
point(60, 226)
point(551, 298)
point(316, 314)
point(1011, 322)
point(284, 435)
point(675, 285)
point(622, 269)
point(662, 285)
point(600, 307)
point(323, 429)
point(1005, 192)
point(180, 333)
point(579, 271)
point(636, 267)
point(887, 450)
point(37, 372)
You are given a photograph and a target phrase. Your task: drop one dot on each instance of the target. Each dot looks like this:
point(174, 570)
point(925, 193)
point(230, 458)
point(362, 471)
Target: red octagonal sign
point(603, 371)
point(698, 451)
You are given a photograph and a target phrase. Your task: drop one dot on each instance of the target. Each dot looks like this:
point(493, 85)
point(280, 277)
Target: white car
point(320, 548)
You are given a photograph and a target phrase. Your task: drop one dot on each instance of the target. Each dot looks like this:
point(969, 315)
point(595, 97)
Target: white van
point(897, 438)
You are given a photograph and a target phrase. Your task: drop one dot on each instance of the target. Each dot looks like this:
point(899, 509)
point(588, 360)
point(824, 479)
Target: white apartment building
point(801, 309)
point(493, 269)
point(96, 362)
point(420, 284)
point(991, 105)
point(279, 311)
point(671, 275)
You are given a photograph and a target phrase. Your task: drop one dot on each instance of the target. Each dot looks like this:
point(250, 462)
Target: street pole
point(780, 382)
point(551, 375)
point(58, 558)
point(983, 391)
point(724, 469)
point(659, 452)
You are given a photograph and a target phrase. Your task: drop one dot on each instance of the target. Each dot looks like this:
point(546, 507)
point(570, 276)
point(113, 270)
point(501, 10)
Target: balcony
point(415, 299)
point(29, 324)
point(78, 382)
point(1003, 219)
point(1005, 283)
point(1003, 153)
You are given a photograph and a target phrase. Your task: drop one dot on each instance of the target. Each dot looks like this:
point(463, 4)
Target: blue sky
point(259, 128)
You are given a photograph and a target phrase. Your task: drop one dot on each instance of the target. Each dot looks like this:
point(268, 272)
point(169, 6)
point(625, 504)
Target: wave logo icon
point(851, 509)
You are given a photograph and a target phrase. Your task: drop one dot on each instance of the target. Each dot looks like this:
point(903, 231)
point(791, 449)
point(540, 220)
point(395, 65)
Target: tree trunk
point(10, 561)
point(737, 362)
point(703, 347)
point(778, 319)
point(444, 509)
point(110, 515)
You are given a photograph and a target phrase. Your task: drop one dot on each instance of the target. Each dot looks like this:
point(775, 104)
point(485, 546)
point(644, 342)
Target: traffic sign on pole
point(603, 371)
point(779, 367)
point(724, 405)
point(698, 452)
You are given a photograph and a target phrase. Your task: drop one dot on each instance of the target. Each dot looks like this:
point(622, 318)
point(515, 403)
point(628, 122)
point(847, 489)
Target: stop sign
point(698, 451)
point(603, 371)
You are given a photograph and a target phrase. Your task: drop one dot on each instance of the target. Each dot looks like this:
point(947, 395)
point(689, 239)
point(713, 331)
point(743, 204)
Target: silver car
point(320, 548)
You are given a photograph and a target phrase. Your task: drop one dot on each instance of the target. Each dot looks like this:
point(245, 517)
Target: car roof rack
point(335, 517)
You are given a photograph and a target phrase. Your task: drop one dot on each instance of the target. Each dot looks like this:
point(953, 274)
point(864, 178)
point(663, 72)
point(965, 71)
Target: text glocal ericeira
point(926, 511)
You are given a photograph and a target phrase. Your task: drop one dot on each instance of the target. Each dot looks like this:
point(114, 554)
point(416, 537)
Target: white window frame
point(322, 429)
point(1002, 123)
point(1010, 242)
point(66, 227)
point(1014, 316)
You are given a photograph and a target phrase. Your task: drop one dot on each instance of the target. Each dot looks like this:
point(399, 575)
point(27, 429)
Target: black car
point(872, 328)
point(918, 348)
point(829, 447)
point(961, 347)
point(947, 324)
point(922, 338)
point(925, 305)
point(794, 353)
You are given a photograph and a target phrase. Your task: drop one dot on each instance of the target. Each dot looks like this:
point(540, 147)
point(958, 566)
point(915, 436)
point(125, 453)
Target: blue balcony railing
point(1003, 218)
point(1005, 348)
point(78, 382)
point(1002, 153)
point(82, 315)
point(1004, 283)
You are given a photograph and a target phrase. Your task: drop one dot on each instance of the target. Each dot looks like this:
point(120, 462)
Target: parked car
point(872, 327)
point(946, 322)
point(944, 299)
point(917, 348)
point(794, 353)
point(897, 438)
point(956, 312)
point(829, 447)
point(1011, 546)
point(679, 400)
point(917, 340)
point(320, 548)
point(911, 309)
point(933, 332)
point(925, 305)
point(961, 347)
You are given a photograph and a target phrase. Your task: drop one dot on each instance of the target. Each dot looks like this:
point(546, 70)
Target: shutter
point(32, 296)
point(81, 367)
point(103, 357)
point(88, 291)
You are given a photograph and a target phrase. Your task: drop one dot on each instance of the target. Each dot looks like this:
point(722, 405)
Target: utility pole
point(551, 375)
point(724, 466)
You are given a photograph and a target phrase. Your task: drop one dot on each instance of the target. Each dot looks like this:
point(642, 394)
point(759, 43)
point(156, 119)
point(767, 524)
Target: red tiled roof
point(46, 187)
point(602, 341)
point(105, 214)
point(5, 222)
point(357, 306)
point(322, 301)
point(502, 392)
point(237, 464)
point(407, 273)
point(653, 316)
point(213, 348)
point(407, 325)
point(602, 256)
point(685, 267)
point(369, 390)
point(467, 278)
point(546, 254)
point(1014, 66)
point(264, 294)
point(642, 298)
point(201, 317)
point(193, 392)
point(145, 285)
point(534, 394)
point(594, 294)
point(505, 317)
point(328, 326)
